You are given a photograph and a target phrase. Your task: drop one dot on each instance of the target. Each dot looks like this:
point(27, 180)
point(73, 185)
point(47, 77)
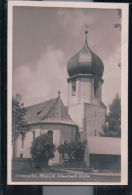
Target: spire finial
point(86, 32)
point(59, 93)
point(59, 105)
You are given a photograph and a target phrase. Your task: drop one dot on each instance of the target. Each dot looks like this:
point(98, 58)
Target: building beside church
point(83, 117)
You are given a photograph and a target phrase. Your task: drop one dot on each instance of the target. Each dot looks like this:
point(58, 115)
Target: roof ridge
point(50, 109)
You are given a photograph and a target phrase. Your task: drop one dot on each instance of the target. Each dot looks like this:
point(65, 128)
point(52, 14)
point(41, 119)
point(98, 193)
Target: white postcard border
point(124, 85)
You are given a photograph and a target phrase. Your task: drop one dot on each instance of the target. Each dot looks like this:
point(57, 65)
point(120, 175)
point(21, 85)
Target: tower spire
point(86, 32)
point(59, 106)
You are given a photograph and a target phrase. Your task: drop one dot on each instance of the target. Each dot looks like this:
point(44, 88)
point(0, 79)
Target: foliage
point(112, 128)
point(75, 150)
point(18, 112)
point(42, 148)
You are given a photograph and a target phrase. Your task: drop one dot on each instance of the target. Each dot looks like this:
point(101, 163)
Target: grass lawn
point(59, 174)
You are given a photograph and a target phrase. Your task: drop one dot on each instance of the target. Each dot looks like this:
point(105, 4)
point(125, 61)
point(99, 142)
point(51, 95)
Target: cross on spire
point(86, 29)
point(59, 93)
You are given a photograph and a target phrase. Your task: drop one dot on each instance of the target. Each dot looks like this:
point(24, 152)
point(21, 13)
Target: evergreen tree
point(112, 128)
point(19, 126)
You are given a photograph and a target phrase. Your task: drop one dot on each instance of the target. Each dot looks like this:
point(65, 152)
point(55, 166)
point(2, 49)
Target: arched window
point(33, 135)
point(21, 155)
point(73, 88)
point(50, 135)
point(96, 87)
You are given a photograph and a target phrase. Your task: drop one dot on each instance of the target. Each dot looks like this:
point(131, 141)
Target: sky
point(44, 39)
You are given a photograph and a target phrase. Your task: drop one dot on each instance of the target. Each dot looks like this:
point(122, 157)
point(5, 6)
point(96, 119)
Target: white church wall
point(68, 134)
point(76, 112)
point(95, 119)
point(96, 100)
point(61, 133)
point(27, 145)
point(84, 92)
point(25, 151)
point(27, 142)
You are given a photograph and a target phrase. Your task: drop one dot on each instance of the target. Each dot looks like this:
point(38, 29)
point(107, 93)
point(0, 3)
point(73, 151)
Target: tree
point(19, 125)
point(74, 149)
point(42, 150)
point(112, 128)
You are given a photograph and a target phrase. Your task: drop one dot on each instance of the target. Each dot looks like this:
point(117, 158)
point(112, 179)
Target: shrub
point(75, 150)
point(42, 149)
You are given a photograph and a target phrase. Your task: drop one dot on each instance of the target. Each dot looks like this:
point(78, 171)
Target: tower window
point(33, 135)
point(22, 142)
point(73, 88)
point(96, 87)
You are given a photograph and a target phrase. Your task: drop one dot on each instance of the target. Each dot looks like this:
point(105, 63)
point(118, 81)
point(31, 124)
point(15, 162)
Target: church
point(83, 117)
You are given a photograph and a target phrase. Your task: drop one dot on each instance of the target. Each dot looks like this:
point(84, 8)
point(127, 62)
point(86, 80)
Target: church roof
point(50, 111)
point(97, 145)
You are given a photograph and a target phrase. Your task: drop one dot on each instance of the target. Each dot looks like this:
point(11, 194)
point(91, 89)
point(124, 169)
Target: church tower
point(85, 70)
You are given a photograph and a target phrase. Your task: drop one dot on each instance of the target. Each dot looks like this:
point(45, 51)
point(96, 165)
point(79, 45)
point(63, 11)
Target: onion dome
point(85, 62)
